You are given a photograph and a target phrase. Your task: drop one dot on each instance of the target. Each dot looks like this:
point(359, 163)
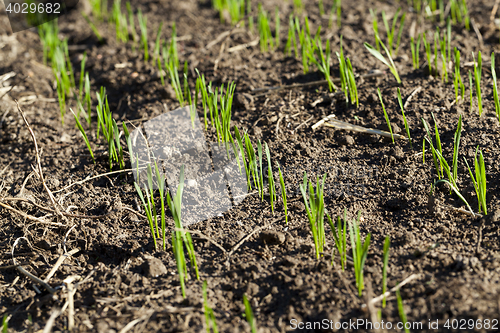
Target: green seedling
point(64, 75)
point(379, 56)
point(436, 42)
point(235, 9)
point(470, 90)
point(439, 167)
point(241, 146)
point(201, 88)
point(338, 8)
point(277, 27)
point(427, 47)
point(48, 33)
point(308, 44)
point(131, 23)
point(375, 29)
point(87, 100)
point(457, 79)
point(93, 27)
point(444, 71)
point(407, 128)
point(180, 236)
point(84, 135)
point(252, 163)
point(480, 180)
point(448, 36)
point(323, 64)
point(340, 238)
point(401, 311)
point(440, 163)
point(187, 94)
point(261, 174)
point(175, 82)
point(415, 52)
point(99, 8)
point(478, 67)
point(209, 313)
point(359, 251)
point(266, 38)
point(172, 50)
point(82, 76)
point(149, 205)
point(385, 260)
point(385, 114)
point(495, 87)
point(347, 78)
point(270, 178)
point(5, 324)
point(315, 208)
point(120, 21)
point(157, 43)
point(161, 189)
point(249, 313)
point(143, 25)
point(107, 124)
point(283, 193)
point(219, 106)
point(298, 6)
point(392, 39)
point(292, 39)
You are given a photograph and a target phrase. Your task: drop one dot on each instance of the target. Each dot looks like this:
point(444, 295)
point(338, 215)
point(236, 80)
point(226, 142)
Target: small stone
point(290, 261)
point(154, 267)
point(167, 92)
point(298, 281)
point(272, 237)
point(43, 244)
point(397, 152)
point(347, 140)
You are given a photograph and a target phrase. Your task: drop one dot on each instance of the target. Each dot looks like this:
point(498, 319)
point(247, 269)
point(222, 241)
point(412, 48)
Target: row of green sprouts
point(342, 231)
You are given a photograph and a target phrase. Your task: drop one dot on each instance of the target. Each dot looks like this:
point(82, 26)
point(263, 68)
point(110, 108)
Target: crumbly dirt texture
point(452, 258)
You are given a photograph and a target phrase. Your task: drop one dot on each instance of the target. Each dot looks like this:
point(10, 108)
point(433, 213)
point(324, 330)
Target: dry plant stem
point(223, 44)
point(243, 46)
point(479, 236)
point(194, 232)
point(311, 84)
point(371, 307)
point(13, 86)
point(39, 165)
point(360, 129)
point(53, 211)
point(28, 274)
point(94, 177)
point(405, 281)
point(29, 217)
point(322, 121)
point(460, 210)
point(408, 100)
point(305, 122)
point(244, 239)
point(50, 323)
point(59, 263)
point(492, 15)
point(478, 33)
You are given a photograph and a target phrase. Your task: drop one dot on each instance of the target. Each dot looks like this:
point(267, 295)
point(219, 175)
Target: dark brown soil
point(456, 256)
